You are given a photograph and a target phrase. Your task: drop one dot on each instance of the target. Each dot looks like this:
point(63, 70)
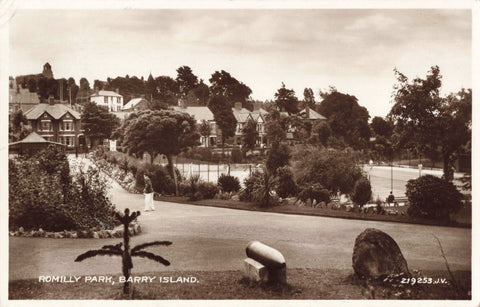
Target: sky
point(354, 50)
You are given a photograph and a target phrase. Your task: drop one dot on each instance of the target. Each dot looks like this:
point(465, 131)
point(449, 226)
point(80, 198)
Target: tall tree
point(73, 89)
point(161, 132)
point(201, 91)
point(382, 127)
point(167, 90)
point(223, 116)
point(84, 91)
point(205, 131)
point(186, 80)
point(222, 83)
point(347, 119)
point(98, 122)
point(285, 100)
point(431, 123)
point(151, 88)
point(250, 136)
point(308, 97)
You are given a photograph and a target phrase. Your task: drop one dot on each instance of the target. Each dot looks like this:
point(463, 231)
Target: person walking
point(148, 191)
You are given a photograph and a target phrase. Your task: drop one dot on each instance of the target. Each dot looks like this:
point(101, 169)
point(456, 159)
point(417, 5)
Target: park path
point(209, 238)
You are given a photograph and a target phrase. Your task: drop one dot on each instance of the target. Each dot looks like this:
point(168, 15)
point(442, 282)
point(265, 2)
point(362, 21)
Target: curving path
point(208, 238)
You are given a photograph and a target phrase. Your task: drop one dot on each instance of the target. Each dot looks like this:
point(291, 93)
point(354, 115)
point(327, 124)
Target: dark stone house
point(57, 122)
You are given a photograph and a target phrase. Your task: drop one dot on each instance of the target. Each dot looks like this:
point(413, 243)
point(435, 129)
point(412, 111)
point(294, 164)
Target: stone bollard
point(264, 263)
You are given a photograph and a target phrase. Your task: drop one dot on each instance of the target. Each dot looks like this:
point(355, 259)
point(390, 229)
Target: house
point(113, 101)
point(136, 104)
point(242, 116)
point(201, 113)
point(56, 122)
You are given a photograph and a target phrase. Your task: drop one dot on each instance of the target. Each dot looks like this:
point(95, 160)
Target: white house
point(112, 100)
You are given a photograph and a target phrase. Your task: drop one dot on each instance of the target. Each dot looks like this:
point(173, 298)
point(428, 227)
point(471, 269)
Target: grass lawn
point(302, 284)
point(462, 218)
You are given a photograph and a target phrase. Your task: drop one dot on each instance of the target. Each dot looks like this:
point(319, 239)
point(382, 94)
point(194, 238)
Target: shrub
point(278, 156)
point(433, 198)
point(39, 199)
point(237, 155)
point(286, 182)
point(336, 171)
point(247, 193)
point(314, 192)
point(362, 192)
point(161, 180)
point(228, 183)
point(208, 190)
point(263, 186)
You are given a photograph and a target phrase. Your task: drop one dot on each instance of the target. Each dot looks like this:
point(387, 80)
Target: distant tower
point(47, 71)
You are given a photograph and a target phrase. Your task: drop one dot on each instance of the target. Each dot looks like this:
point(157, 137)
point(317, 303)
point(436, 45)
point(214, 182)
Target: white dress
point(149, 202)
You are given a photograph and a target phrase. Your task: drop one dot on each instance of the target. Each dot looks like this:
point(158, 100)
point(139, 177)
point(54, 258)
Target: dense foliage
point(98, 122)
point(335, 170)
point(433, 198)
point(228, 183)
point(362, 192)
point(314, 192)
point(286, 182)
point(42, 194)
point(439, 127)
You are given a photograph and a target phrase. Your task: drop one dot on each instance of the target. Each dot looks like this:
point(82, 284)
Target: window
point(212, 128)
point(67, 125)
point(67, 140)
point(45, 125)
point(105, 99)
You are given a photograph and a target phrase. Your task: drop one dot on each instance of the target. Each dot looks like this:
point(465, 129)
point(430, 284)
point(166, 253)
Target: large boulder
point(376, 255)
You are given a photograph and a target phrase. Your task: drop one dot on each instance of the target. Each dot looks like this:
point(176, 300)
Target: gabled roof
point(106, 93)
point(313, 114)
point(57, 111)
point(132, 103)
point(33, 138)
point(241, 117)
point(256, 116)
point(199, 113)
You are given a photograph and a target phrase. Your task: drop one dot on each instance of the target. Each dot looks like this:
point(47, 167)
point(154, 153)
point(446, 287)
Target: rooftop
point(57, 111)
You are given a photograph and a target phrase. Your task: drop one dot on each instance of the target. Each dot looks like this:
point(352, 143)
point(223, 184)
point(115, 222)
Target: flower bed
point(95, 233)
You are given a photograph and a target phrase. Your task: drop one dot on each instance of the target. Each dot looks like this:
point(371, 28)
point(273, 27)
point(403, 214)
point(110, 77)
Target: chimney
point(307, 110)
point(238, 106)
point(117, 90)
point(51, 100)
point(96, 90)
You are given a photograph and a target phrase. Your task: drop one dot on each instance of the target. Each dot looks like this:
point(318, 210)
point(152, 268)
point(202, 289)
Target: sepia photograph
point(306, 154)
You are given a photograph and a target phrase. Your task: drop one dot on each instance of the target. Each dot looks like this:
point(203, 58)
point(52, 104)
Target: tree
point(321, 131)
point(73, 89)
point(382, 127)
point(250, 136)
point(32, 85)
point(126, 253)
point(160, 132)
point(278, 156)
point(223, 115)
point(335, 170)
point(98, 123)
point(362, 192)
point(309, 97)
point(18, 127)
point(433, 197)
point(186, 80)
point(84, 91)
point(432, 124)
point(205, 131)
point(346, 118)
point(202, 93)
point(285, 100)
point(151, 87)
point(222, 83)
point(167, 89)
point(276, 132)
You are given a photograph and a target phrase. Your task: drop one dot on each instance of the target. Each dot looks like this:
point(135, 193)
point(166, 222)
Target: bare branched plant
point(126, 253)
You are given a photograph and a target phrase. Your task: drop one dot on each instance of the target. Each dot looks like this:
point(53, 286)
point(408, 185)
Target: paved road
point(207, 238)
